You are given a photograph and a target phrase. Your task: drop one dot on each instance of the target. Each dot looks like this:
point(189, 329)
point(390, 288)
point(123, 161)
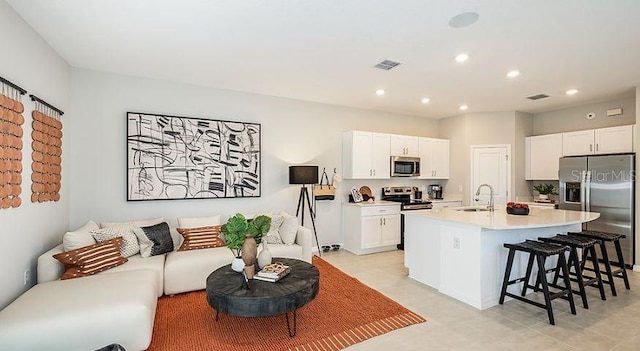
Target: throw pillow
point(80, 237)
point(200, 238)
point(154, 240)
point(130, 245)
point(288, 228)
point(273, 235)
point(136, 223)
point(91, 259)
point(198, 222)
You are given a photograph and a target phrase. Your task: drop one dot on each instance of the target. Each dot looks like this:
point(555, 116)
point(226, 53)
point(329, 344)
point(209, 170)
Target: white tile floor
point(452, 325)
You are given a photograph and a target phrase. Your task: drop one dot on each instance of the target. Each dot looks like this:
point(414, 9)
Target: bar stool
point(539, 251)
point(575, 242)
point(602, 238)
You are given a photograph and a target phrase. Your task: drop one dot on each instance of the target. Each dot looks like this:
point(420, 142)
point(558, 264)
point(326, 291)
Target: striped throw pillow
point(200, 238)
point(91, 259)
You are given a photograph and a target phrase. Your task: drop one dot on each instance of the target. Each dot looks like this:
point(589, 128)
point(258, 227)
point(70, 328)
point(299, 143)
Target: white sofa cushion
point(49, 268)
point(80, 237)
point(288, 228)
point(136, 262)
point(154, 240)
point(82, 314)
point(188, 270)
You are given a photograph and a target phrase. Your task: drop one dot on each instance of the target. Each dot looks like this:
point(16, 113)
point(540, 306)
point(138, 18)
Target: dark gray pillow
point(154, 240)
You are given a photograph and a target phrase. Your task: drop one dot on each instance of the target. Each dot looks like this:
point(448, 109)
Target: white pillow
point(80, 237)
point(130, 244)
point(288, 228)
point(197, 222)
point(273, 235)
point(136, 223)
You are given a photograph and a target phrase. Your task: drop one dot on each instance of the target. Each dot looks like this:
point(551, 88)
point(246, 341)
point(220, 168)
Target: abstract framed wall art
point(171, 157)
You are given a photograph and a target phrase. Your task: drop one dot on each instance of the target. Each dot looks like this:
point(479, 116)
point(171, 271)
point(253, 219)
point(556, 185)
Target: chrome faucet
point(490, 207)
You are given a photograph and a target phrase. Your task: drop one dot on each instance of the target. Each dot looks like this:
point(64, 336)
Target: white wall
point(31, 229)
point(293, 132)
point(574, 118)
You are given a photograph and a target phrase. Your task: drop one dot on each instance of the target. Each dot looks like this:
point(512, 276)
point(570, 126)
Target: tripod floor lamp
point(305, 175)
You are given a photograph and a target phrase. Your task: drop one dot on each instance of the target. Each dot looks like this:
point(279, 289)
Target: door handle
point(380, 221)
point(597, 147)
point(590, 147)
point(370, 172)
point(384, 221)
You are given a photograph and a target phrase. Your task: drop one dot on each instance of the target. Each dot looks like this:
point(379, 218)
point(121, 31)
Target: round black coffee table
point(227, 293)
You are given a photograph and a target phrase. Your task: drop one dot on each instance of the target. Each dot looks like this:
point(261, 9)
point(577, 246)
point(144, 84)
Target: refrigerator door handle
point(583, 181)
point(587, 191)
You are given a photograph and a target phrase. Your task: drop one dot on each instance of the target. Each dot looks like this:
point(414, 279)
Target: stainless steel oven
point(405, 166)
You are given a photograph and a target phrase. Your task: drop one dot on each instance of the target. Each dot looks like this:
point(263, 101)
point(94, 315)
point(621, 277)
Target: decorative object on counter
point(365, 191)
point(238, 230)
point(544, 190)
point(357, 197)
point(273, 272)
point(324, 191)
point(11, 132)
point(516, 208)
point(305, 175)
point(209, 159)
point(264, 257)
point(249, 254)
point(47, 152)
point(237, 264)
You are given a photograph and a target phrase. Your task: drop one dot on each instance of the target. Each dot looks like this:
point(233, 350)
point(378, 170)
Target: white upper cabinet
point(404, 145)
point(542, 156)
point(598, 141)
point(365, 155)
point(614, 140)
point(434, 158)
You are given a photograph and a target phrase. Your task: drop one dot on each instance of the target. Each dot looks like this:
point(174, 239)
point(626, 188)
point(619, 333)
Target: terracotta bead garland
point(46, 155)
point(11, 122)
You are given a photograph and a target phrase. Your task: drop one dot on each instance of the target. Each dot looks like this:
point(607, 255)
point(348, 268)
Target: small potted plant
point(544, 190)
point(242, 237)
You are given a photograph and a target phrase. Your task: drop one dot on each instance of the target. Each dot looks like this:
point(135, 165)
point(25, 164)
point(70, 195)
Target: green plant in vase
point(545, 190)
point(237, 230)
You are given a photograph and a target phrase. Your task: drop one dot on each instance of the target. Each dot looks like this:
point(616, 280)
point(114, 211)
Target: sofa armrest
point(304, 238)
point(48, 267)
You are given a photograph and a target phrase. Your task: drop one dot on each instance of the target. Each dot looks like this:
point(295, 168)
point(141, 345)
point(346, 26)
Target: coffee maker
point(434, 191)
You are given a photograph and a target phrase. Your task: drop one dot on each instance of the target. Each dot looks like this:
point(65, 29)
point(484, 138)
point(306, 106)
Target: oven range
point(402, 194)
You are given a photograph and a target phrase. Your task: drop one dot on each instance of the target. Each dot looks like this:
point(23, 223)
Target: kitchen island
point(461, 253)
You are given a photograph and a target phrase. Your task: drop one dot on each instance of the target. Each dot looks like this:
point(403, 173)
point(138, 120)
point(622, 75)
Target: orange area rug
point(344, 313)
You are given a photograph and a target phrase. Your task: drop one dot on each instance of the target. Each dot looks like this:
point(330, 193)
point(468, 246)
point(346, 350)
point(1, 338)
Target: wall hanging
point(46, 156)
point(171, 157)
point(11, 121)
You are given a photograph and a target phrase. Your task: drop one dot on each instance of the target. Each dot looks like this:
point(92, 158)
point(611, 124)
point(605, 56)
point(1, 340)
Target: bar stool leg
point(573, 260)
point(507, 273)
point(567, 283)
point(622, 266)
point(607, 266)
point(596, 268)
point(542, 279)
point(528, 275)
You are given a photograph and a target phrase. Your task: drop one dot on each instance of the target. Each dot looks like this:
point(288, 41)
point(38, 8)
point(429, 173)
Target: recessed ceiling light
point(464, 107)
point(464, 19)
point(462, 57)
point(572, 91)
point(380, 92)
point(425, 100)
point(513, 74)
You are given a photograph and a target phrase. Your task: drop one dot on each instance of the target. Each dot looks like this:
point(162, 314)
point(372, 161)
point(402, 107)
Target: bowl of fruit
point(516, 208)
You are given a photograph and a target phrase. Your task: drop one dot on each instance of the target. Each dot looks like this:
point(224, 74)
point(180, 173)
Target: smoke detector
point(537, 97)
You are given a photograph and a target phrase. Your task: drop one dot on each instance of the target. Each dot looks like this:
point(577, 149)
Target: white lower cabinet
point(370, 228)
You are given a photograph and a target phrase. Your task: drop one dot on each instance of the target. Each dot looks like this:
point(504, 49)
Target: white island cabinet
point(370, 228)
point(462, 254)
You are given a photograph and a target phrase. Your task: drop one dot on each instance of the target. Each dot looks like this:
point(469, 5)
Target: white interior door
point(490, 165)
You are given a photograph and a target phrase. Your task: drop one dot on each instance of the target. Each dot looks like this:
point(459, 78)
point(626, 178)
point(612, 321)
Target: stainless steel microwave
point(405, 166)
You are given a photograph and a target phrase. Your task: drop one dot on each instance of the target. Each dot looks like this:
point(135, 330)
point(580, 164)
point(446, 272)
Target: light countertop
point(500, 220)
point(374, 203)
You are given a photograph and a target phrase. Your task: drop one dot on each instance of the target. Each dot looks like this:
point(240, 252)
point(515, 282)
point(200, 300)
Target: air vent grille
point(387, 65)
point(537, 97)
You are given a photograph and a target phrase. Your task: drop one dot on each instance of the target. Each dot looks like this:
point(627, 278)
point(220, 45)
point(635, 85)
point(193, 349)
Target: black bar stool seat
point(602, 238)
point(538, 251)
point(575, 242)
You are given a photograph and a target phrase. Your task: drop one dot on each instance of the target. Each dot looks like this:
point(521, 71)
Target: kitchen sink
point(475, 209)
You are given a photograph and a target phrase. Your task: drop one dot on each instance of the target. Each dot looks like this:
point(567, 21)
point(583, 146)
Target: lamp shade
point(303, 174)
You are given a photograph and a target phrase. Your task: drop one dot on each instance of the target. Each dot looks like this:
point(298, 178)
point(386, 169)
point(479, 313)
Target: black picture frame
point(179, 158)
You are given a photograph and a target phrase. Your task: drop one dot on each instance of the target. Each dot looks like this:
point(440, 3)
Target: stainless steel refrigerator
point(603, 184)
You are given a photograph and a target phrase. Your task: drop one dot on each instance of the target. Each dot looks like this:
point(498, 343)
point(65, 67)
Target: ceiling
point(324, 50)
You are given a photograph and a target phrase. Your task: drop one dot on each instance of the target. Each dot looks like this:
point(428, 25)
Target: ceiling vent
point(537, 97)
point(387, 65)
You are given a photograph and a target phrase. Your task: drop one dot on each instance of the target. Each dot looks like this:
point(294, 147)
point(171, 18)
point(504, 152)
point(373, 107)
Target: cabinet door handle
point(597, 147)
point(384, 220)
point(374, 172)
point(370, 172)
point(590, 147)
point(380, 221)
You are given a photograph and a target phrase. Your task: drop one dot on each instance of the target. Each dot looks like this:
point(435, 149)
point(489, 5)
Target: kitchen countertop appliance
point(402, 194)
point(434, 191)
point(603, 184)
point(405, 166)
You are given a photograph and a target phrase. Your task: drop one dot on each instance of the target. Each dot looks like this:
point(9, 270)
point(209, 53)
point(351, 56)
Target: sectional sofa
point(117, 305)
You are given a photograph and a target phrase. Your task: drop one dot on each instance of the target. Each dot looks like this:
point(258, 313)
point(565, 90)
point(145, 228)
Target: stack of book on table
point(273, 272)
